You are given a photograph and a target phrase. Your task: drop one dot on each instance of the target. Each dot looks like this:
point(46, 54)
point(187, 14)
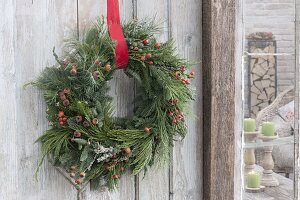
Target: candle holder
point(249, 154)
point(268, 178)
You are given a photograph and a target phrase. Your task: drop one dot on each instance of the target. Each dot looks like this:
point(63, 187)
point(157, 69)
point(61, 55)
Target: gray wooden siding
point(28, 31)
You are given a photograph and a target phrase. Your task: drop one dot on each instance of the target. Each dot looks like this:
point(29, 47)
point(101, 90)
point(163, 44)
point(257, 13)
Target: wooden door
point(28, 31)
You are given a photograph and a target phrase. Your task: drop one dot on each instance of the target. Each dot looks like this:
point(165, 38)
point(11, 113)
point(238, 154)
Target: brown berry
point(126, 151)
point(147, 130)
point(62, 97)
point(86, 124)
point(97, 62)
point(61, 114)
point(66, 102)
point(171, 114)
point(107, 67)
point(64, 119)
point(73, 167)
point(95, 121)
point(67, 90)
point(135, 48)
point(72, 139)
point(115, 161)
point(151, 63)
point(78, 119)
point(115, 176)
point(78, 181)
point(77, 134)
point(146, 42)
point(148, 55)
point(187, 82)
point(96, 74)
point(82, 174)
point(73, 72)
point(174, 121)
point(66, 61)
point(177, 74)
point(182, 68)
point(192, 73)
point(72, 174)
point(143, 58)
point(61, 123)
point(157, 45)
point(121, 169)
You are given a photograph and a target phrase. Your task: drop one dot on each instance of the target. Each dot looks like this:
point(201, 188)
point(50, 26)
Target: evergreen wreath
point(85, 138)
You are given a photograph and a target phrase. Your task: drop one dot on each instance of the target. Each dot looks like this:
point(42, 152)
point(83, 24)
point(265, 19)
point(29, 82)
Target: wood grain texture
point(8, 127)
point(186, 29)
point(219, 68)
point(122, 90)
point(30, 29)
point(26, 36)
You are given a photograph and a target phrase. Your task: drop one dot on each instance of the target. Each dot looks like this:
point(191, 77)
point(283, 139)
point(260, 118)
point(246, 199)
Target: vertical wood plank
point(219, 70)
point(187, 155)
point(122, 90)
point(155, 185)
point(8, 127)
point(38, 26)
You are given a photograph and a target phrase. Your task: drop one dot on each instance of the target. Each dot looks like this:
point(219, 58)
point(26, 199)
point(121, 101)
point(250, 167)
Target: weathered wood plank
point(187, 165)
point(219, 63)
point(38, 26)
point(8, 128)
point(158, 178)
point(122, 89)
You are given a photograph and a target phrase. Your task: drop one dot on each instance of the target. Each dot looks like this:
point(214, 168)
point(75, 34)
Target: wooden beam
point(220, 57)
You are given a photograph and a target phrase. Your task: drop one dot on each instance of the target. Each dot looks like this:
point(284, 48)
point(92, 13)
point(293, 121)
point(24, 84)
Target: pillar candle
point(249, 125)
point(268, 128)
point(253, 179)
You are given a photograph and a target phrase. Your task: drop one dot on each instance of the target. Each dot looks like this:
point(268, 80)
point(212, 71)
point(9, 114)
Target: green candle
point(253, 179)
point(249, 125)
point(268, 128)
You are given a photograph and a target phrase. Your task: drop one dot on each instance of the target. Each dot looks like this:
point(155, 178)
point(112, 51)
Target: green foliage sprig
point(84, 137)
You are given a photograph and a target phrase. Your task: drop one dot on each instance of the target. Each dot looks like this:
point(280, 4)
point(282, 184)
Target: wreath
point(85, 138)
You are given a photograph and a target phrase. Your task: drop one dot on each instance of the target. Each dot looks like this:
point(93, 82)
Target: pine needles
point(85, 138)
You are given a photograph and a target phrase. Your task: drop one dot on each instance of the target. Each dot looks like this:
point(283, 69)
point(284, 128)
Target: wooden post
point(221, 54)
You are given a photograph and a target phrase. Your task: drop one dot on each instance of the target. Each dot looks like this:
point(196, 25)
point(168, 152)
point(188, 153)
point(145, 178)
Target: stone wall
point(276, 16)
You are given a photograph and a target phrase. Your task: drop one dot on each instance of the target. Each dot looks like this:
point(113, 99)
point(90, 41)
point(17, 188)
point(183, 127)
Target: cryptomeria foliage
point(84, 137)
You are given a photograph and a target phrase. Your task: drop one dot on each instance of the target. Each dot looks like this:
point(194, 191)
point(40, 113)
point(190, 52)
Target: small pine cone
point(72, 174)
point(73, 167)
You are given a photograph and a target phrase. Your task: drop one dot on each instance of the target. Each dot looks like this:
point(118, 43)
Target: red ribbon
point(116, 33)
